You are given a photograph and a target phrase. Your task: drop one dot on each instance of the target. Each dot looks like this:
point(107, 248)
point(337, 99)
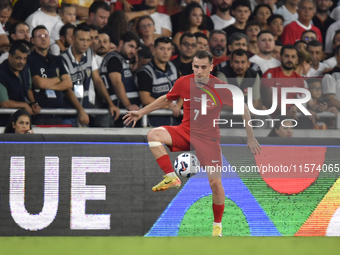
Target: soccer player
point(196, 130)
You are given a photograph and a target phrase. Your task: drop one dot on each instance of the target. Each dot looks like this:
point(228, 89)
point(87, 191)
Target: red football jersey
point(193, 120)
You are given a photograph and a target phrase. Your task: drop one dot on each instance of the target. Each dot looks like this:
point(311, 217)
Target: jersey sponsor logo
point(186, 99)
point(160, 89)
point(214, 161)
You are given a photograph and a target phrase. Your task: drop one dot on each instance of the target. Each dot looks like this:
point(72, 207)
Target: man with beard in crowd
point(222, 18)
point(282, 76)
point(103, 47)
point(187, 49)
point(118, 77)
point(66, 35)
point(218, 46)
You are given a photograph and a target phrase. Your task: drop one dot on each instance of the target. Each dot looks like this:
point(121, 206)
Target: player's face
point(94, 39)
point(22, 33)
point(163, 52)
point(285, 131)
point(252, 32)
point(306, 11)
point(242, 14)
point(196, 17)
point(202, 68)
point(336, 41)
point(289, 59)
point(276, 26)
point(241, 44)
point(129, 49)
point(4, 15)
point(239, 64)
point(100, 18)
point(202, 44)
point(41, 39)
point(316, 53)
point(69, 15)
point(301, 46)
point(22, 125)
point(262, 15)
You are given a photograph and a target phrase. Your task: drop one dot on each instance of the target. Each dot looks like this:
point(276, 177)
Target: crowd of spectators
point(81, 54)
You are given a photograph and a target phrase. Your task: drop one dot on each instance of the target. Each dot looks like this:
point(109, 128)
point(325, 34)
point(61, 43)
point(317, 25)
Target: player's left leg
point(209, 154)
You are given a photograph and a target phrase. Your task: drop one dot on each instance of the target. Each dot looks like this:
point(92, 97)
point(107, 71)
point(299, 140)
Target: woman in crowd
point(261, 13)
point(282, 128)
point(304, 64)
point(19, 123)
point(192, 21)
point(146, 30)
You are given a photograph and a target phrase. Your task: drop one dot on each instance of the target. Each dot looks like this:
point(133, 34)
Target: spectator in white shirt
point(46, 15)
point(162, 21)
point(222, 18)
point(331, 62)
point(288, 11)
point(264, 59)
point(314, 48)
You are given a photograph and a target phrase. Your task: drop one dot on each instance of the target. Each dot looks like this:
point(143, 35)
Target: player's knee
point(216, 185)
point(153, 135)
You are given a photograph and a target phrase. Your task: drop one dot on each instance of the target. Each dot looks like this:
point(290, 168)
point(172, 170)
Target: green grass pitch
point(168, 245)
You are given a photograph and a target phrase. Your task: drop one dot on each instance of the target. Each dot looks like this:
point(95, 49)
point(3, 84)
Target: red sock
point(164, 162)
point(218, 212)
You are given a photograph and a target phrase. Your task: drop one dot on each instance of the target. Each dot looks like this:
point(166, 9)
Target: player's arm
point(252, 143)
point(83, 117)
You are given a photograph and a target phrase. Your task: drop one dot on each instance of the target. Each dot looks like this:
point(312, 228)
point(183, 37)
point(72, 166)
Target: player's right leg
point(156, 138)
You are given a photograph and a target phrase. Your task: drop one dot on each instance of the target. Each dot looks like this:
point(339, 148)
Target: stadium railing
point(161, 112)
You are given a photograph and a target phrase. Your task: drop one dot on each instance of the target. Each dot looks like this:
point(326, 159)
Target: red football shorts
point(208, 150)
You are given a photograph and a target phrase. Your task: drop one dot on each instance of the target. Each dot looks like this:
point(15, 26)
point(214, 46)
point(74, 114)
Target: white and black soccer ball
point(186, 165)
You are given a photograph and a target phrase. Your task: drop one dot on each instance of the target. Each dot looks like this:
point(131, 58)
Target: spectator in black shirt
point(49, 77)
point(321, 18)
point(22, 9)
point(187, 49)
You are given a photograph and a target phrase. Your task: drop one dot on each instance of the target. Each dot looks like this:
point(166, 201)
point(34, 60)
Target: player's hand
point(83, 118)
point(333, 110)
point(132, 116)
point(36, 109)
point(254, 146)
point(114, 110)
point(132, 107)
point(322, 107)
point(175, 108)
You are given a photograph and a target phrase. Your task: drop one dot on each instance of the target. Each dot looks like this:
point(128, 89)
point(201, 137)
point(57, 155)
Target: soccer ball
point(186, 165)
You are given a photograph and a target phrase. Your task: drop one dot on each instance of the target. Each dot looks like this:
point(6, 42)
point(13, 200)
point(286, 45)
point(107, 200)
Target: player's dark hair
point(300, 41)
point(64, 28)
point(189, 35)
point(314, 43)
point(96, 5)
point(184, 20)
point(131, 36)
point(66, 5)
point(308, 31)
point(239, 52)
point(80, 28)
point(238, 3)
point(277, 125)
point(200, 34)
point(264, 32)
point(274, 17)
point(88, 26)
point(20, 45)
point(202, 54)
point(38, 28)
point(162, 39)
point(14, 118)
point(290, 47)
point(141, 19)
point(236, 37)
